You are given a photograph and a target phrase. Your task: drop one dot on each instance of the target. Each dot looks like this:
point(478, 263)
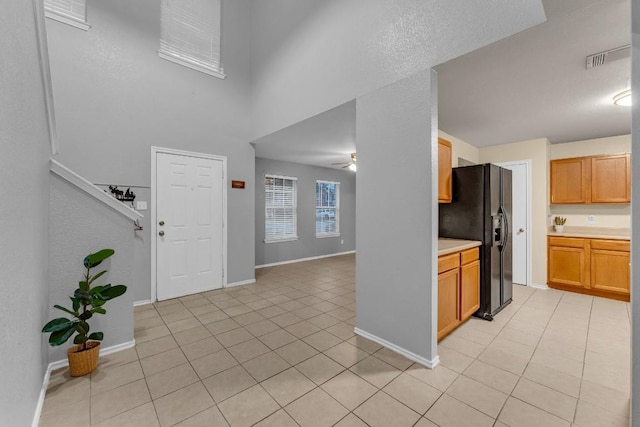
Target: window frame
point(324, 235)
point(65, 18)
point(288, 237)
point(171, 42)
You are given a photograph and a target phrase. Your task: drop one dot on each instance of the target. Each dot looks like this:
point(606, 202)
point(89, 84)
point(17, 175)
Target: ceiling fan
point(351, 164)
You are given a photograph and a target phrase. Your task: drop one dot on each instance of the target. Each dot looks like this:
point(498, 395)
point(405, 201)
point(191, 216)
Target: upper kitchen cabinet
point(594, 179)
point(444, 171)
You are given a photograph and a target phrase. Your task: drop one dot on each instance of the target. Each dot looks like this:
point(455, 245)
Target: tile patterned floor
point(282, 353)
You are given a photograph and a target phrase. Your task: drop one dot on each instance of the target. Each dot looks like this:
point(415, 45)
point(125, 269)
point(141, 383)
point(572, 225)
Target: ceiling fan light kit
point(351, 164)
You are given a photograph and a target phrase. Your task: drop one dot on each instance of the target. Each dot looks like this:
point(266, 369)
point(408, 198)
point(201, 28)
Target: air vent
point(602, 58)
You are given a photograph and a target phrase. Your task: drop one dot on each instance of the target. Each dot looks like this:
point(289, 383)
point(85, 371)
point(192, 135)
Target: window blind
point(327, 208)
point(190, 34)
point(73, 12)
point(280, 201)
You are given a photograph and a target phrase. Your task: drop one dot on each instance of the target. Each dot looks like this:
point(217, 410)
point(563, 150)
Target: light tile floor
point(282, 353)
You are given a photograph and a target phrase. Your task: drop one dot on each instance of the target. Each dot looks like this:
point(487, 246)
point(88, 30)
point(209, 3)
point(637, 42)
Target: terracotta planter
point(83, 362)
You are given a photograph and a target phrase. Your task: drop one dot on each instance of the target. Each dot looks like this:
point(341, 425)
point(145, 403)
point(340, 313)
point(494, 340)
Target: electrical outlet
point(141, 206)
point(591, 219)
point(342, 241)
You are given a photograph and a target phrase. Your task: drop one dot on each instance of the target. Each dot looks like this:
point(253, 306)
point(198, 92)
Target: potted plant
point(87, 300)
point(558, 223)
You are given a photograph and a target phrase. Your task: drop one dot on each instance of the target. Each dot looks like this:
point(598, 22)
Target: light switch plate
point(141, 206)
point(591, 219)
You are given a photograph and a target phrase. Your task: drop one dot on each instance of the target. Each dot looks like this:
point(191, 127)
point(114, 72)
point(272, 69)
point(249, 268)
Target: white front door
point(520, 220)
point(189, 227)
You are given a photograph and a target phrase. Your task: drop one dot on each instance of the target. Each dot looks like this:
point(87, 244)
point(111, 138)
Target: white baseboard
point(244, 282)
point(143, 302)
point(401, 351)
point(292, 261)
point(63, 363)
point(536, 286)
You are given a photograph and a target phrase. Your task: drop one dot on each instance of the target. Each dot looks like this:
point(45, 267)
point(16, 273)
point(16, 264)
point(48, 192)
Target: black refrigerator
point(481, 210)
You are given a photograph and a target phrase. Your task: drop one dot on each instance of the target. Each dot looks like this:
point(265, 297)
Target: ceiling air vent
point(602, 58)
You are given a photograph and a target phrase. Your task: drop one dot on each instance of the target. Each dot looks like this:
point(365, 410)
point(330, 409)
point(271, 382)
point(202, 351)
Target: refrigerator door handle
point(505, 228)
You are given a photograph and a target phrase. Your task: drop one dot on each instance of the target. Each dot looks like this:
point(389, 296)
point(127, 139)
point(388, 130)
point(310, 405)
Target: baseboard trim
point(293, 261)
point(536, 286)
point(63, 363)
point(401, 351)
point(243, 282)
point(143, 302)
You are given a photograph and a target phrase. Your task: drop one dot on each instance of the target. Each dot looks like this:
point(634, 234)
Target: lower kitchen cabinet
point(458, 289)
point(596, 267)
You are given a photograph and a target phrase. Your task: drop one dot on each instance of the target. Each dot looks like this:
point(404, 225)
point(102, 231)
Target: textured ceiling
point(531, 85)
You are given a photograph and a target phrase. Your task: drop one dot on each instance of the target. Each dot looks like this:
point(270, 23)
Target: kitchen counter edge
point(593, 233)
point(449, 246)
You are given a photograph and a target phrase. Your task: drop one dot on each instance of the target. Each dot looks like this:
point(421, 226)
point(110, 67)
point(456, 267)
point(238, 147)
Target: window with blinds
point(280, 208)
point(327, 209)
point(72, 12)
point(190, 34)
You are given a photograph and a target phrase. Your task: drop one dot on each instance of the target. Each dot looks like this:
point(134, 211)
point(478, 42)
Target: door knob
point(161, 223)
point(161, 233)
point(521, 230)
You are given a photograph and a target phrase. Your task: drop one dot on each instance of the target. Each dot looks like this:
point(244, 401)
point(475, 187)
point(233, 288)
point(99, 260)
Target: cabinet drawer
point(448, 262)
point(568, 242)
point(469, 255)
point(611, 245)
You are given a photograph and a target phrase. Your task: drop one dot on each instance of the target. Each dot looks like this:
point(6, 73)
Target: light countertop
point(449, 246)
point(593, 232)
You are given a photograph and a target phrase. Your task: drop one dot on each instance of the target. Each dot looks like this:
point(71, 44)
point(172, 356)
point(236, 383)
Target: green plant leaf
point(93, 279)
point(113, 292)
point(80, 339)
point(60, 337)
point(76, 303)
point(97, 289)
point(93, 260)
point(99, 310)
point(97, 302)
point(83, 285)
point(82, 327)
point(66, 310)
point(86, 315)
point(82, 295)
point(58, 324)
point(98, 336)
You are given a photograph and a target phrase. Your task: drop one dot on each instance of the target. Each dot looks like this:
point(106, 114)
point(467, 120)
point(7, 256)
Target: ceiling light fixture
point(353, 167)
point(623, 98)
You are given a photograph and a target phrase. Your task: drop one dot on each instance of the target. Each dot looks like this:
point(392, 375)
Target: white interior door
point(189, 227)
point(520, 221)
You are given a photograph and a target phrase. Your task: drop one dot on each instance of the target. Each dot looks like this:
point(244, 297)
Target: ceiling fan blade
point(340, 163)
point(346, 166)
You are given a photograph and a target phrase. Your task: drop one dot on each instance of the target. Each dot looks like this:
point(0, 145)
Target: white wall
point(115, 98)
point(307, 245)
point(536, 151)
point(80, 225)
point(24, 211)
point(606, 215)
point(309, 56)
point(460, 149)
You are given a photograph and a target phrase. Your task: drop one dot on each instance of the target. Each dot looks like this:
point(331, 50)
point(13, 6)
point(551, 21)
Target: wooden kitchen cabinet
point(596, 267)
point(458, 289)
point(594, 179)
point(445, 177)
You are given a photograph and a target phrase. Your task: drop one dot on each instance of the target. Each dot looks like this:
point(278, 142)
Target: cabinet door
point(567, 265)
point(611, 179)
point(569, 180)
point(444, 171)
point(448, 318)
point(469, 289)
point(610, 270)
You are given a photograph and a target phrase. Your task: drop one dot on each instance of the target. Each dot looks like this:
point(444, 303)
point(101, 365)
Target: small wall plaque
point(237, 184)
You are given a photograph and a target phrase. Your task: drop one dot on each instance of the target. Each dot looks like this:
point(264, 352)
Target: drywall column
point(396, 216)
point(635, 219)
point(24, 212)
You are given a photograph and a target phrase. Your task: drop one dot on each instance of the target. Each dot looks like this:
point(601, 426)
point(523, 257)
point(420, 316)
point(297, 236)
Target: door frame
point(527, 163)
point(154, 220)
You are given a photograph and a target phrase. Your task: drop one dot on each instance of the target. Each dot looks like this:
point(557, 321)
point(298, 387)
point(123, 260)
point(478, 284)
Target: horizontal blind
point(73, 9)
point(280, 208)
point(190, 31)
